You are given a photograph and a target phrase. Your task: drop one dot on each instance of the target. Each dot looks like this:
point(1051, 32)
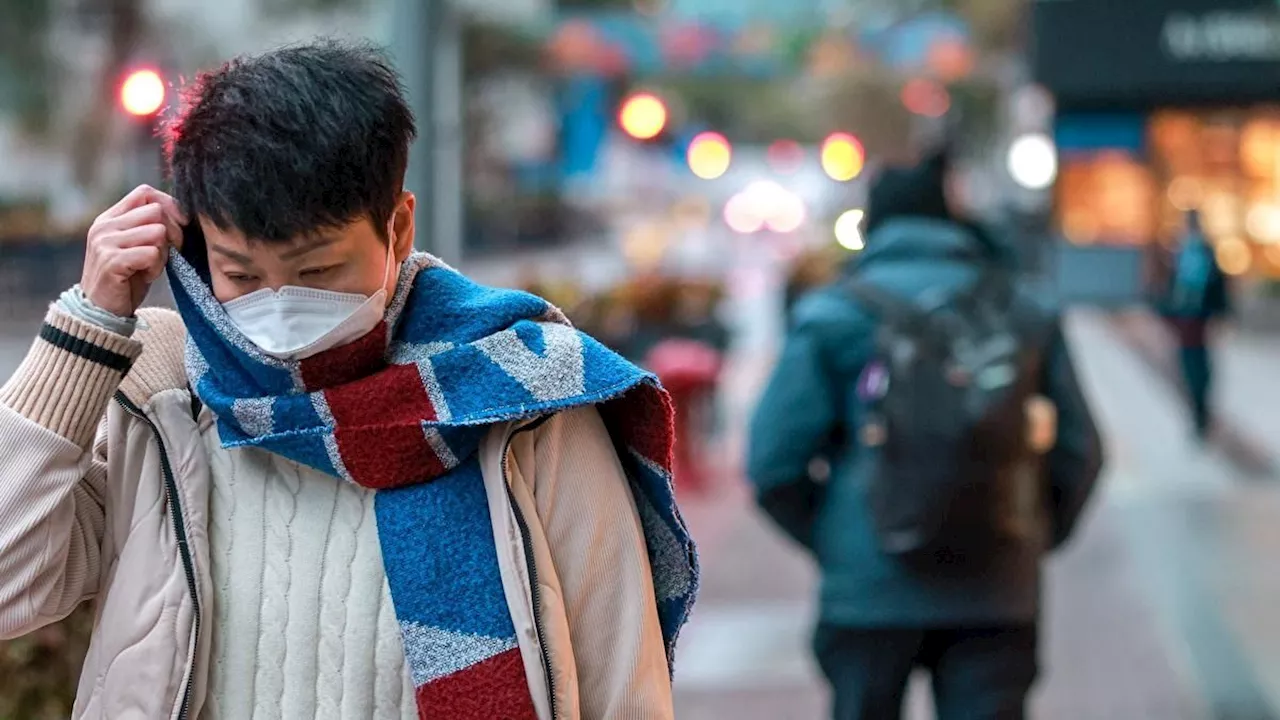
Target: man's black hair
point(294, 141)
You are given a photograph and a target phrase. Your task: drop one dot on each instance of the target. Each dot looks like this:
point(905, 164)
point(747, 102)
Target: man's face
point(352, 258)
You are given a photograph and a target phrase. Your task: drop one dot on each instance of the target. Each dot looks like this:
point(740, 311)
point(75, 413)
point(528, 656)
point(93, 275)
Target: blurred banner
point(1140, 53)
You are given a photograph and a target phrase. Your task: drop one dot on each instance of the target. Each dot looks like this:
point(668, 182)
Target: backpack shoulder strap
point(893, 309)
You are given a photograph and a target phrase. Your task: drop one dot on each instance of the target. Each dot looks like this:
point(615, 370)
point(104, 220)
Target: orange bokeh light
point(142, 93)
point(643, 116)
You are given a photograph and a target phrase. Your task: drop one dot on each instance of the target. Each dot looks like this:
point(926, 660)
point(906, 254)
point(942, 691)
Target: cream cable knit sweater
point(303, 622)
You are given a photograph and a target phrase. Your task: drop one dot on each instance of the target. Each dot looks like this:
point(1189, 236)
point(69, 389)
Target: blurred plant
point(42, 669)
point(489, 48)
point(997, 24)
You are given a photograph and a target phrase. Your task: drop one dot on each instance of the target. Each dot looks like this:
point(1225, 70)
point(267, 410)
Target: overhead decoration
point(937, 45)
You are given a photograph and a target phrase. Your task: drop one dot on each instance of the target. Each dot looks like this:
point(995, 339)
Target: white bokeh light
point(849, 230)
point(1033, 161)
point(741, 216)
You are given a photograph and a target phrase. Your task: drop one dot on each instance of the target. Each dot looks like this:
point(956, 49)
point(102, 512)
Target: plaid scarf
point(402, 411)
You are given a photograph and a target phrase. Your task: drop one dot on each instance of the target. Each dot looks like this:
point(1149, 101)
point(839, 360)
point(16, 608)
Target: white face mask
point(295, 322)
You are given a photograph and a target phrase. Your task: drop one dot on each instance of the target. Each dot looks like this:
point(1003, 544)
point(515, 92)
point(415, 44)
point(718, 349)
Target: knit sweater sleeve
point(53, 471)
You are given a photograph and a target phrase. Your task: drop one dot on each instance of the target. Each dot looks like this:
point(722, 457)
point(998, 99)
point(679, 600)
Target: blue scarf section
point(403, 411)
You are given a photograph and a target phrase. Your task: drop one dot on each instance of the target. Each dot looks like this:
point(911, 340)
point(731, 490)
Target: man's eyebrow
point(319, 242)
point(238, 257)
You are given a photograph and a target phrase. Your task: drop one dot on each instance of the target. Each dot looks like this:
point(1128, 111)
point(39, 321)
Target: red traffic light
point(142, 93)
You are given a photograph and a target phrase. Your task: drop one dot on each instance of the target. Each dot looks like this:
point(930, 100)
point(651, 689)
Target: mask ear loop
point(391, 247)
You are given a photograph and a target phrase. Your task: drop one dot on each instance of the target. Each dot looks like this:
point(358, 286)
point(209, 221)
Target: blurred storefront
point(1164, 106)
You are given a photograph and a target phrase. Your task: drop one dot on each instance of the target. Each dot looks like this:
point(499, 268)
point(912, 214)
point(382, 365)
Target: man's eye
point(313, 272)
point(240, 278)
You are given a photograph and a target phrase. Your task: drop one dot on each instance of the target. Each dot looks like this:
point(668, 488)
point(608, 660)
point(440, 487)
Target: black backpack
point(946, 428)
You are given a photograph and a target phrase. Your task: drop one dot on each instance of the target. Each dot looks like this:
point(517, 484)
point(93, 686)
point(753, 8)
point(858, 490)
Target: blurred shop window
point(1106, 197)
point(1227, 164)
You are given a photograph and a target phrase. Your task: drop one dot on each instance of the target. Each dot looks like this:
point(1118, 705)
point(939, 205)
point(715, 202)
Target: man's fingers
point(136, 198)
point(171, 208)
point(173, 216)
point(157, 269)
point(136, 260)
point(143, 195)
point(154, 235)
point(149, 214)
point(142, 215)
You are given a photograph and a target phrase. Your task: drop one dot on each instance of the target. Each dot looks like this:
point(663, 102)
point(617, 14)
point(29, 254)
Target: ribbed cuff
point(75, 303)
point(69, 375)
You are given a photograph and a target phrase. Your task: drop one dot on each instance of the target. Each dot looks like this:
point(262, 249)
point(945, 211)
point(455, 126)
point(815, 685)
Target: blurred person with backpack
point(1197, 295)
point(961, 451)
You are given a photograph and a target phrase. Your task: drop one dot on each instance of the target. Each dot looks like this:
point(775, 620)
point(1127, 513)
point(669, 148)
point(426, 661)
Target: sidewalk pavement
point(1247, 404)
point(1160, 609)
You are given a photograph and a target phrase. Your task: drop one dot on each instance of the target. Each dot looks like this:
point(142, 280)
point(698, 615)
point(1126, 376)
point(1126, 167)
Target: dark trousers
point(978, 674)
point(1197, 373)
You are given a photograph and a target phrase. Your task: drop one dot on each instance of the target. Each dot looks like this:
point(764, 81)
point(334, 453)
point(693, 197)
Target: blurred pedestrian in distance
point(960, 447)
point(1197, 295)
point(344, 480)
point(932, 189)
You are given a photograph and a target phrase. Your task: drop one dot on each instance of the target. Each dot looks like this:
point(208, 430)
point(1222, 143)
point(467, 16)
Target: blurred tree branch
point(26, 67)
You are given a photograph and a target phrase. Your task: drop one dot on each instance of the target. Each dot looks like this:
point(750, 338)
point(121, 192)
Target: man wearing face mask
point(343, 480)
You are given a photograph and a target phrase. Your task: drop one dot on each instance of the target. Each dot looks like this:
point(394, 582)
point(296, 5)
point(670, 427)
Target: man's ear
point(402, 226)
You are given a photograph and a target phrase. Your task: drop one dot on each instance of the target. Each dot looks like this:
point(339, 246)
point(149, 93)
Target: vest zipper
point(180, 532)
point(527, 541)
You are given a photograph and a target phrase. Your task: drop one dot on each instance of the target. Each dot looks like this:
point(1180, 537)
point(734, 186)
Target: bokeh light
point(644, 245)
point(1185, 193)
point(787, 213)
point(643, 116)
point(842, 157)
point(741, 217)
point(709, 155)
point(926, 97)
point(785, 156)
point(1033, 161)
point(765, 204)
point(848, 230)
point(142, 93)
point(1263, 223)
point(1234, 256)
